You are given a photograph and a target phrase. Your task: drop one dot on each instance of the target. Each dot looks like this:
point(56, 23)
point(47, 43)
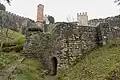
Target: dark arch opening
point(54, 66)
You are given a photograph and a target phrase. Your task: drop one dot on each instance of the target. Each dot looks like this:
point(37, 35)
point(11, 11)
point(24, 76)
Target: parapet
point(82, 14)
point(14, 21)
point(40, 5)
point(14, 15)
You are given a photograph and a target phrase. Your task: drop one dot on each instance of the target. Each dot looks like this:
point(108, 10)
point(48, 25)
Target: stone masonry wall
point(13, 21)
point(107, 33)
point(66, 43)
point(71, 42)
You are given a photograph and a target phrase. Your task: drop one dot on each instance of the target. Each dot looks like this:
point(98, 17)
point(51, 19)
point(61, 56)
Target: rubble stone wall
point(14, 22)
point(66, 43)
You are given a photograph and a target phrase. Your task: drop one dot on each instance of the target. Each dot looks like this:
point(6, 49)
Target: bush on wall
point(2, 7)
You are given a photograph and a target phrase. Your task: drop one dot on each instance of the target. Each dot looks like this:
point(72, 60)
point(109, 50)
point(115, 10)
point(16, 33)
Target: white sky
point(61, 9)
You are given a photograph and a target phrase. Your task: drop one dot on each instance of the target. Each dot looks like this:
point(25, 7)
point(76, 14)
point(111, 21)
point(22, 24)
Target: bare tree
point(73, 19)
point(117, 1)
point(69, 19)
point(8, 1)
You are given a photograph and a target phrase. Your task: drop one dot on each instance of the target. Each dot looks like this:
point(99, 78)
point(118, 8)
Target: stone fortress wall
point(14, 22)
point(66, 43)
point(112, 21)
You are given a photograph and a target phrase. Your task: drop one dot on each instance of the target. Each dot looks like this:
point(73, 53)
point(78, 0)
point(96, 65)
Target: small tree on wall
point(51, 19)
point(2, 7)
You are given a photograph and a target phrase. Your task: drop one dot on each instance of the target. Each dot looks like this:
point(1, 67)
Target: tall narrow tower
point(40, 13)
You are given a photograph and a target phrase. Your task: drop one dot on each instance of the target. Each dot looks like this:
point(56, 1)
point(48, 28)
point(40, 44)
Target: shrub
point(19, 41)
point(17, 48)
point(114, 74)
point(2, 7)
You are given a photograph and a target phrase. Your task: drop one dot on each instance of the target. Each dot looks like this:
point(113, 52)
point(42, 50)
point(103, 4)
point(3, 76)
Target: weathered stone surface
point(15, 22)
point(66, 43)
point(112, 21)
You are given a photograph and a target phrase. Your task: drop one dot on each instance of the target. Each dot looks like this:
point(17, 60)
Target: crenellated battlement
point(14, 21)
point(12, 14)
point(82, 14)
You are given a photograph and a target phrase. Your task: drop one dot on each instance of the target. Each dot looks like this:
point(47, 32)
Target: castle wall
point(108, 33)
point(112, 21)
point(13, 21)
point(67, 43)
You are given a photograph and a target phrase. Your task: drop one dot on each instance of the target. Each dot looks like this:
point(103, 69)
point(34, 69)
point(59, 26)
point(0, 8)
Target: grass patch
point(11, 40)
point(9, 35)
point(7, 58)
point(100, 64)
point(30, 69)
point(16, 48)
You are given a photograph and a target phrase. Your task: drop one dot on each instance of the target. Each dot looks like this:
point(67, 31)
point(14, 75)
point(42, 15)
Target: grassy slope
point(30, 69)
point(98, 65)
point(7, 58)
point(10, 36)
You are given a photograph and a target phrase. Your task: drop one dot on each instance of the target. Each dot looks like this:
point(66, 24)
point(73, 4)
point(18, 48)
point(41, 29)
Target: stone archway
point(53, 66)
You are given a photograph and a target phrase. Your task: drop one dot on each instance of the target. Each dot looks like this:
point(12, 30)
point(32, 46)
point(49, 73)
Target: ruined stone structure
point(62, 44)
point(65, 44)
point(82, 19)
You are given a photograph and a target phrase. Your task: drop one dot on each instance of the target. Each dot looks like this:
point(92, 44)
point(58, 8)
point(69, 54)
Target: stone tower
point(82, 19)
point(40, 13)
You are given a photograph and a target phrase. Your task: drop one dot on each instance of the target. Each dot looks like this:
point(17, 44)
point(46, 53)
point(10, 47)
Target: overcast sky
point(61, 9)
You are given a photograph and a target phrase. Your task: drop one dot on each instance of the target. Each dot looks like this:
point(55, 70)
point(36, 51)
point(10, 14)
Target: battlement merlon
point(40, 5)
point(82, 14)
point(7, 13)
